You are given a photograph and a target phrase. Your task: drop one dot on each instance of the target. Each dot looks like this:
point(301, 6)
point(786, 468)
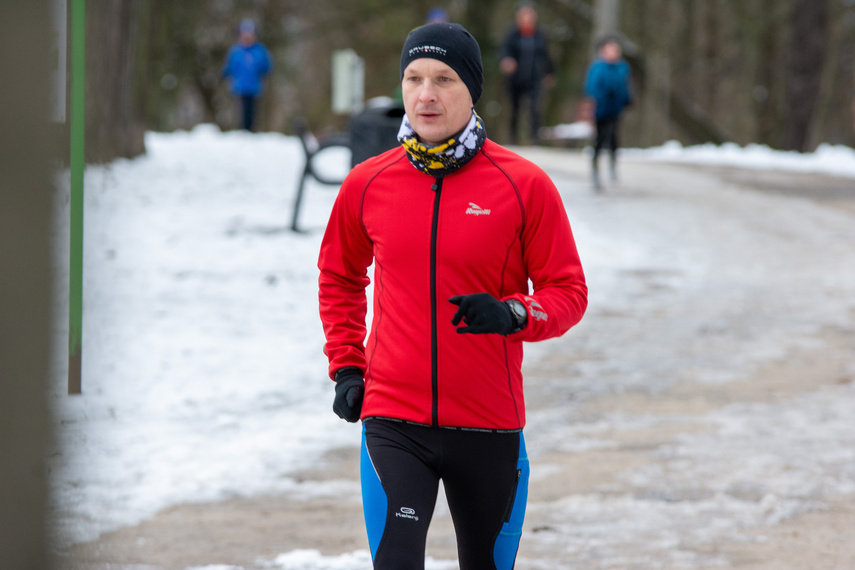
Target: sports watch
point(518, 313)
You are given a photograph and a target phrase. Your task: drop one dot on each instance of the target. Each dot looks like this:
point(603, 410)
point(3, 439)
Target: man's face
point(436, 100)
point(247, 37)
point(526, 17)
point(611, 52)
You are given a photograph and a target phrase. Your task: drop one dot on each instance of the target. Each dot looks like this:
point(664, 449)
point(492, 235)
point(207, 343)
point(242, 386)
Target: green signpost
point(75, 291)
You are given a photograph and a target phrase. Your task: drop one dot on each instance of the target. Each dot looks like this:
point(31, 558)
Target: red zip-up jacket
point(490, 227)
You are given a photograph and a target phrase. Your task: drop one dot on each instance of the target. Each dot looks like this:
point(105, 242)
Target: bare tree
point(805, 59)
point(714, 69)
point(116, 77)
point(606, 14)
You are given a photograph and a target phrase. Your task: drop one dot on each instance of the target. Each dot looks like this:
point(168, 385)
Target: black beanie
point(452, 45)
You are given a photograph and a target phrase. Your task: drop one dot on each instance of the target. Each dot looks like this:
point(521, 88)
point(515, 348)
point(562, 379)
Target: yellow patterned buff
point(443, 159)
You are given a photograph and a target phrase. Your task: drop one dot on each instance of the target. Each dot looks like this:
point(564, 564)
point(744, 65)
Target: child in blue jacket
point(247, 62)
point(608, 85)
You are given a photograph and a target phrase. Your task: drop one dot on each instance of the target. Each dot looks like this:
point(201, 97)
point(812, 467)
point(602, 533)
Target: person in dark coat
point(526, 64)
point(608, 85)
point(247, 62)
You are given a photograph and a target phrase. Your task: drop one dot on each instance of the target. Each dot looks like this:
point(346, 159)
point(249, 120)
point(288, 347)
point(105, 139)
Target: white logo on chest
point(476, 210)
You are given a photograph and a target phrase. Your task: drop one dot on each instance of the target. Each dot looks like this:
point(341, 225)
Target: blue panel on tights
point(508, 541)
point(374, 501)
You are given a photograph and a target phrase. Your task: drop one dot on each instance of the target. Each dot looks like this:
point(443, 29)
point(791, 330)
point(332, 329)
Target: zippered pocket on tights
point(510, 508)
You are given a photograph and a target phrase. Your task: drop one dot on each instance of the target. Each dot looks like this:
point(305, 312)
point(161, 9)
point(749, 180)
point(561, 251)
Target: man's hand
point(483, 314)
point(508, 65)
point(349, 389)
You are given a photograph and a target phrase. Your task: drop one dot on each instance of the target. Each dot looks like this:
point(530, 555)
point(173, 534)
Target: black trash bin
point(374, 130)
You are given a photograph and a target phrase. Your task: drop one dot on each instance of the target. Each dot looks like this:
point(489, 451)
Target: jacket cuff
point(346, 371)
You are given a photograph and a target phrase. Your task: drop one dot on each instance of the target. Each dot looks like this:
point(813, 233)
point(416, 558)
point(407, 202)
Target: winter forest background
point(773, 72)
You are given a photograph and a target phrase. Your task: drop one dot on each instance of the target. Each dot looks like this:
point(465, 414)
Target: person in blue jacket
point(608, 84)
point(247, 62)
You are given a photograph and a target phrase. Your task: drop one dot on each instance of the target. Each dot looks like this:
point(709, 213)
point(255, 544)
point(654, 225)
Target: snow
point(837, 160)
point(302, 559)
point(580, 130)
point(204, 376)
point(203, 361)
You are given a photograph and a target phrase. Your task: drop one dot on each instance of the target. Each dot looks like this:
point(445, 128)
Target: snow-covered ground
point(828, 159)
point(203, 371)
point(202, 347)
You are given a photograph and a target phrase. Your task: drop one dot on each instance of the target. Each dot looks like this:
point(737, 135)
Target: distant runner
point(608, 85)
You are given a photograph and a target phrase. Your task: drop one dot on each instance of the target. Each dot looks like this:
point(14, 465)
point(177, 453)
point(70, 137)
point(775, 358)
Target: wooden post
point(27, 161)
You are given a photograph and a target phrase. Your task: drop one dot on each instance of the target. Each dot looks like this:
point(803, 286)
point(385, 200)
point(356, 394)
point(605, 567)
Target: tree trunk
point(605, 19)
point(767, 21)
point(479, 17)
point(695, 123)
point(115, 73)
point(806, 54)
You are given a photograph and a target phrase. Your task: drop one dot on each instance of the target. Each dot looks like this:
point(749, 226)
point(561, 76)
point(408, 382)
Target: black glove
point(482, 313)
point(349, 388)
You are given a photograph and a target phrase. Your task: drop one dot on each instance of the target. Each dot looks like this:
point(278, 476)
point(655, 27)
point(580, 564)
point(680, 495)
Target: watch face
point(518, 309)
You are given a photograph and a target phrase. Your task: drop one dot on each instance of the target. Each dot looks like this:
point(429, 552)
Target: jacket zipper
point(437, 188)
